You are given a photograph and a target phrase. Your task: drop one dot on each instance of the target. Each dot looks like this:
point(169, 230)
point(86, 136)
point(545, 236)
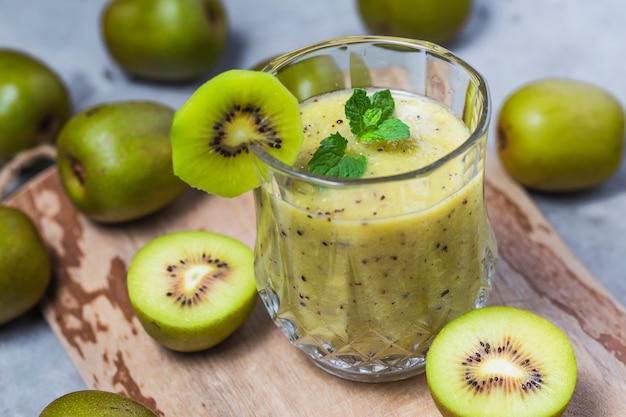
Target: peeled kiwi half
point(212, 133)
point(501, 361)
point(192, 289)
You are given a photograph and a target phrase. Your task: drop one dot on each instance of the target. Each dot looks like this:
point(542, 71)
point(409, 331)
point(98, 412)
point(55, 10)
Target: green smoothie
point(369, 273)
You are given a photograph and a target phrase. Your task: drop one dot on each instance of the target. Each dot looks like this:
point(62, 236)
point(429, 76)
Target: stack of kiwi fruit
point(122, 161)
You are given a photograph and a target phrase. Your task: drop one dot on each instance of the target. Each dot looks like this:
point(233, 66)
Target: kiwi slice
point(213, 132)
point(192, 289)
point(501, 361)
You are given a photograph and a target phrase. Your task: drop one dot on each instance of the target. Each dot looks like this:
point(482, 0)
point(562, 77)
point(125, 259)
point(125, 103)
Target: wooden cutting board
point(256, 372)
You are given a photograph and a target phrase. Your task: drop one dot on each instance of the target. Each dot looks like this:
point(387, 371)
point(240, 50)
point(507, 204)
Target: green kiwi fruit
point(431, 20)
point(501, 361)
point(192, 289)
point(34, 103)
point(316, 75)
point(213, 132)
point(165, 40)
point(24, 264)
point(560, 135)
point(95, 403)
point(312, 76)
point(360, 76)
point(115, 160)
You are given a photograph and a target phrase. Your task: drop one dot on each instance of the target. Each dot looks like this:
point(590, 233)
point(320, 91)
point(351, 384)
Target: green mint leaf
point(371, 118)
point(350, 167)
point(328, 155)
point(382, 100)
point(330, 160)
point(390, 129)
point(355, 109)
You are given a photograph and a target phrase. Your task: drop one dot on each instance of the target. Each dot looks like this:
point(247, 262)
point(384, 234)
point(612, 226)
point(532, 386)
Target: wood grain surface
point(256, 372)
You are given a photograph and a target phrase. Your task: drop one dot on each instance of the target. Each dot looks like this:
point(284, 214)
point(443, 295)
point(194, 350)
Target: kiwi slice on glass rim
point(192, 289)
point(501, 361)
point(213, 132)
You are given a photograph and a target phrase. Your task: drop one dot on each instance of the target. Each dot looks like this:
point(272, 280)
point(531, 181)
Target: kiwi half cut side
point(212, 133)
point(501, 361)
point(190, 289)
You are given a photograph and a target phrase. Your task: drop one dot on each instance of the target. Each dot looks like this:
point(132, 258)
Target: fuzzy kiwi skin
point(37, 108)
point(558, 135)
point(312, 76)
point(115, 160)
point(24, 264)
point(432, 20)
point(165, 40)
point(95, 403)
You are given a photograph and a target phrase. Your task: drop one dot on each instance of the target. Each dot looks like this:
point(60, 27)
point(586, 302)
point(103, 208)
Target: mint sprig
point(370, 120)
point(330, 159)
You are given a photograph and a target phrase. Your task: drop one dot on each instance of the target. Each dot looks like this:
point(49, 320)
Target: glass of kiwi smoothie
point(367, 246)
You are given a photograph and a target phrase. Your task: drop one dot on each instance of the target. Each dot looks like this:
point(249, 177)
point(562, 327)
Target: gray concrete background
point(511, 42)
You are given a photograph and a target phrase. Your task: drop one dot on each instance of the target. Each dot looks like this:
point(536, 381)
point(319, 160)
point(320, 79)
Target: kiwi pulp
point(501, 361)
point(212, 132)
point(192, 289)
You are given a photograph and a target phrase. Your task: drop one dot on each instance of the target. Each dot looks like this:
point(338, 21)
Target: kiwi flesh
point(213, 132)
point(95, 403)
point(501, 361)
point(192, 289)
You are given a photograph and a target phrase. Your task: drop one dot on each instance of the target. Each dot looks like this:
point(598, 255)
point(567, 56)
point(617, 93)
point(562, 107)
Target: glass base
point(371, 375)
point(392, 363)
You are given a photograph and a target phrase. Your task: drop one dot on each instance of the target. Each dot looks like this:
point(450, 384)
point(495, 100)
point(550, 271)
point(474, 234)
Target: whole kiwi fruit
point(95, 403)
point(560, 135)
point(34, 103)
point(24, 264)
point(115, 160)
point(430, 20)
point(165, 40)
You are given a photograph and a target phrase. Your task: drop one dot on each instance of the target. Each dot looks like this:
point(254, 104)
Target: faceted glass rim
point(481, 129)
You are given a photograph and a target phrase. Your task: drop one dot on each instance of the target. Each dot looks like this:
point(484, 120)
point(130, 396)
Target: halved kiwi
point(501, 361)
point(192, 289)
point(213, 131)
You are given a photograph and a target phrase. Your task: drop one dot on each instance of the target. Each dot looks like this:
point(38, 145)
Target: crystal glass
point(364, 295)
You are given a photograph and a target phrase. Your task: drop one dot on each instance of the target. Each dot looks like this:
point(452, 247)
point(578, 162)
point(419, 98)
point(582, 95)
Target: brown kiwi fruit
point(213, 132)
point(192, 289)
point(501, 361)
